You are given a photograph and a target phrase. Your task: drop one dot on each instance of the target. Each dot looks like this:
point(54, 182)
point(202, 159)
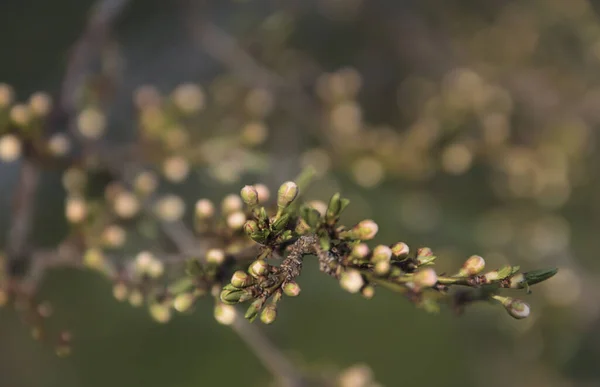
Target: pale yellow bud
point(10, 148)
point(176, 169)
point(59, 144)
point(75, 209)
point(126, 205)
point(352, 281)
point(20, 114)
point(189, 98)
point(236, 220)
point(215, 256)
point(40, 104)
point(204, 209)
point(225, 314)
point(6, 95)
point(91, 123)
point(170, 208)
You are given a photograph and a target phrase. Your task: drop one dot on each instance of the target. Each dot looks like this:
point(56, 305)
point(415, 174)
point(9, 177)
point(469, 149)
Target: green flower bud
point(291, 289)
point(253, 309)
point(472, 266)
point(425, 256)
point(268, 314)
point(241, 279)
point(336, 206)
point(235, 296)
point(280, 223)
point(286, 194)
point(249, 195)
point(365, 230)
point(258, 268)
point(400, 249)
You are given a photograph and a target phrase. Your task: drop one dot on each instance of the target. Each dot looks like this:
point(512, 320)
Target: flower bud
point(156, 268)
point(231, 203)
point(351, 280)
point(360, 251)
point(235, 296)
point(258, 268)
point(59, 144)
point(215, 256)
point(126, 205)
point(225, 314)
point(425, 256)
point(472, 266)
point(382, 267)
point(160, 312)
point(136, 298)
point(291, 289)
point(381, 253)
point(515, 307)
point(368, 292)
point(241, 279)
point(425, 278)
point(176, 169)
point(517, 281)
point(268, 314)
point(120, 291)
point(76, 209)
point(249, 195)
point(143, 261)
point(263, 193)
point(365, 230)
point(94, 258)
point(10, 148)
point(400, 249)
point(286, 194)
point(40, 104)
point(236, 220)
point(183, 302)
point(204, 209)
point(253, 309)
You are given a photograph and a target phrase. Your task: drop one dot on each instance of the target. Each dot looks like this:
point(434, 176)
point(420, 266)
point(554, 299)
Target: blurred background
point(466, 126)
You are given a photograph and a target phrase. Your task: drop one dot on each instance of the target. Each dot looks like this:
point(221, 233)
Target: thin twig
point(86, 50)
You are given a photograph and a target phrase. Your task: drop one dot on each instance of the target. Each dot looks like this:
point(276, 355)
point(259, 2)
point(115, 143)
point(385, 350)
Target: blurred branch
point(271, 357)
point(87, 48)
point(225, 49)
point(92, 40)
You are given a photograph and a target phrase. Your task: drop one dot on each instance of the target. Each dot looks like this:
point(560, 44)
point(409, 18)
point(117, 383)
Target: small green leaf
point(537, 276)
